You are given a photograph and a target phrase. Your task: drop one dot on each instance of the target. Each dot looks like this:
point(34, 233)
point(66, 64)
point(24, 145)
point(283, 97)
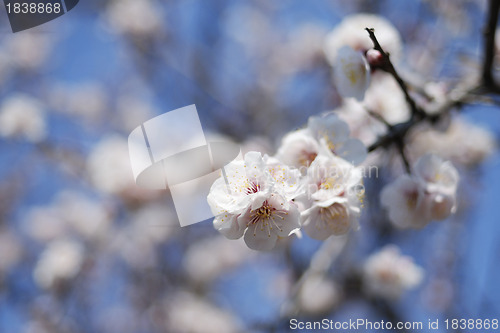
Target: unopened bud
point(374, 57)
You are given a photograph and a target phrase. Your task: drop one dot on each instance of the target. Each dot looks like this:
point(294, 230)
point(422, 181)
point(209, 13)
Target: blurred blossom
point(64, 216)
point(60, 261)
point(462, 142)
point(257, 143)
point(135, 18)
point(119, 318)
point(29, 50)
point(188, 313)
point(208, 259)
point(332, 202)
point(351, 73)
point(388, 274)
point(148, 227)
point(84, 100)
point(318, 295)
point(415, 200)
point(256, 202)
point(94, 223)
point(334, 134)
point(386, 98)
point(109, 167)
point(303, 46)
point(133, 110)
point(300, 148)
point(251, 28)
point(22, 116)
point(44, 223)
point(439, 294)
point(351, 31)
point(11, 250)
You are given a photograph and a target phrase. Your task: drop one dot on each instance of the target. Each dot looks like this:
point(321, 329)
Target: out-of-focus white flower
point(208, 259)
point(257, 143)
point(187, 313)
point(85, 100)
point(149, 226)
point(133, 110)
point(300, 148)
point(318, 295)
point(430, 194)
point(60, 261)
point(351, 73)
point(388, 274)
point(22, 116)
point(64, 216)
point(351, 31)
point(29, 50)
point(256, 201)
point(94, 223)
point(462, 143)
point(303, 46)
point(333, 132)
point(44, 224)
point(108, 166)
point(333, 197)
point(386, 98)
point(135, 18)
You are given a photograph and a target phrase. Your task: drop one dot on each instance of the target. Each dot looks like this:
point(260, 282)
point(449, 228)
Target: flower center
point(252, 188)
point(264, 212)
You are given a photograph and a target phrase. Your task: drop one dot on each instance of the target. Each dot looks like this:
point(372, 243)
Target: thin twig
point(378, 117)
point(388, 67)
point(401, 148)
point(489, 45)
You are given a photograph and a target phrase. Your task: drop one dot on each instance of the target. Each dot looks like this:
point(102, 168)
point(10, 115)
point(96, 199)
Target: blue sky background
point(84, 50)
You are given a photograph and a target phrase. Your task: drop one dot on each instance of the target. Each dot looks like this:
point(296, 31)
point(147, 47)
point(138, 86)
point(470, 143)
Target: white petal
point(329, 125)
point(351, 73)
point(258, 238)
point(353, 151)
point(227, 224)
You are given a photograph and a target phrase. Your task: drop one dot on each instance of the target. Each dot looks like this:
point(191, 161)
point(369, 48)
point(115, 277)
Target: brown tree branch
point(387, 66)
point(489, 46)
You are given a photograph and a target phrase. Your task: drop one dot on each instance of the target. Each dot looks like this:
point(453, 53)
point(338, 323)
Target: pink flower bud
point(374, 57)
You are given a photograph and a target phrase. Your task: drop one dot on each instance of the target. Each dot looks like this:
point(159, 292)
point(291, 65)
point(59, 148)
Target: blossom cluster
point(314, 182)
point(308, 184)
point(428, 194)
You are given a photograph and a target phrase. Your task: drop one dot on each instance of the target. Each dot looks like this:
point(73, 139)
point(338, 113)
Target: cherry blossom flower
point(413, 201)
point(300, 148)
point(318, 295)
point(61, 261)
point(461, 142)
point(351, 73)
point(22, 116)
point(333, 197)
point(256, 201)
point(388, 274)
point(334, 133)
point(351, 31)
